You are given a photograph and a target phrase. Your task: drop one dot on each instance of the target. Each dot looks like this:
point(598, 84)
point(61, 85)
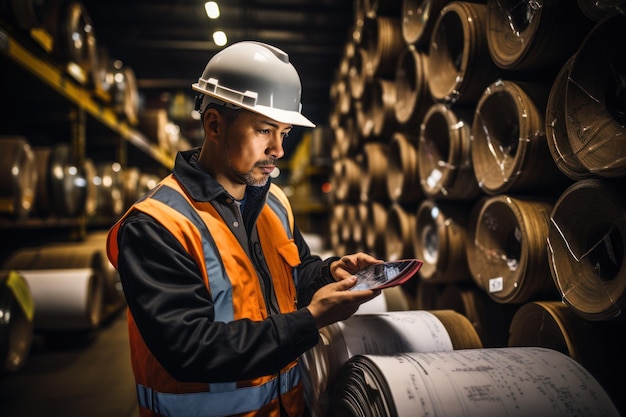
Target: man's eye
point(264, 131)
point(285, 135)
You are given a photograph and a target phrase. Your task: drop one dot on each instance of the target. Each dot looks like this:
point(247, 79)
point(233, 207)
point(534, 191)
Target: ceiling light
point(219, 38)
point(212, 9)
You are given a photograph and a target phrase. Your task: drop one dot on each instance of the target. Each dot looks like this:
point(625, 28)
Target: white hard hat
point(257, 77)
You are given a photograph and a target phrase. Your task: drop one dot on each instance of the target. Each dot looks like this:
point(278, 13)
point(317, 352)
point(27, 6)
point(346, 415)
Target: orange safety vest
point(236, 293)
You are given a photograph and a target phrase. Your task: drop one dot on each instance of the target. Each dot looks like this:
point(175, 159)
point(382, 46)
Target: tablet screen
point(386, 274)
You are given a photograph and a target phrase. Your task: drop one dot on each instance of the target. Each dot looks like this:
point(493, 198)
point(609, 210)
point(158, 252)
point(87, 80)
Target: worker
point(223, 293)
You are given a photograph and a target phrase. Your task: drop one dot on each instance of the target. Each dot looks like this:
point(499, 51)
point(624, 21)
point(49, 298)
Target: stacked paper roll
point(383, 333)
point(523, 381)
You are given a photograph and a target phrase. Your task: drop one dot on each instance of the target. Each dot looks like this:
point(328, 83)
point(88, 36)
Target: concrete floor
point(74, 376)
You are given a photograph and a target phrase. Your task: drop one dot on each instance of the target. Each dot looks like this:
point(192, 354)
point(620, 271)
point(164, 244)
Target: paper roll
point(65, 299)
point(382, 333)
point(523, 381)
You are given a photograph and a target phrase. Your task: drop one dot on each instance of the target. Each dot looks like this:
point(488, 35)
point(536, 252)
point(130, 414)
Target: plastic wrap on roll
point(444, 157)
point(596, 124)
point(507, 248)
point(528, 35)
point(509, 148)
point(459, 64)
point(586, 249)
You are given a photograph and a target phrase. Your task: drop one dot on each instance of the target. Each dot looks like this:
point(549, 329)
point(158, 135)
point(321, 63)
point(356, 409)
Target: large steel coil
point(412, 94)
point(587, 250)
point(374, 172)
point(382, 40)
point(359, 225)
point(399, 234)
point(348, 225)
point(343, 225)
point(110, 189)
point(346, 180)
point(528, 35)
point(67, 181)
point(507, 248)
point(444, 157)
point(334, 228)
point(346, 136)
point(18, 177)
point(103, 74)
point(556, 128)
point(364, 112)
point(595, 99)
point(383, 110)
point(440, 241)
point(76, 42)
point(418, 20)
point(340, 96)
point(125, 93)
point(403, 175)
point(459, 65)
point(509, 147)
point(376, 228)
point(359, 75)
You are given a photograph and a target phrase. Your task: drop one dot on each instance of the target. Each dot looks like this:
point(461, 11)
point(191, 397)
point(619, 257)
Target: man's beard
point(248, 177)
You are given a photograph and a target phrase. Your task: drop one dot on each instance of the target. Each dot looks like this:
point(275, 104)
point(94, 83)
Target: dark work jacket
point(173, 310)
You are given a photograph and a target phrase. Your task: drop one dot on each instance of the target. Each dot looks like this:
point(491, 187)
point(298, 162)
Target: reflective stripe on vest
point(221, 289)
point(281, 211)
point(216, 404)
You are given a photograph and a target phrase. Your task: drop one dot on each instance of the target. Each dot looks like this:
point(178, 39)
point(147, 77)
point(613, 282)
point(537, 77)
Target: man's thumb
point(347, 283)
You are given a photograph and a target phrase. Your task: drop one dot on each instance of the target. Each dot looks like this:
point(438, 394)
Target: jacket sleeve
point(313, 272)
point(174, 313)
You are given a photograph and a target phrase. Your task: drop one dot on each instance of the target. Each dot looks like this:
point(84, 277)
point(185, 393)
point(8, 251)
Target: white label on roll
point(433, 179)
point(496, 284)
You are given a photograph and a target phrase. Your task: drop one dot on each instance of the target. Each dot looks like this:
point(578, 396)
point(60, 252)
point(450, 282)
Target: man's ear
point(212, 121)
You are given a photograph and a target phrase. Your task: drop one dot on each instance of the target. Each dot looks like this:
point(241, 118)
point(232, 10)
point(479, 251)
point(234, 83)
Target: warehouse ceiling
point(167, 43)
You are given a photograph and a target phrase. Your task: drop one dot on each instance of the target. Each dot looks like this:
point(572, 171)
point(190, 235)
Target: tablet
point(387, 274)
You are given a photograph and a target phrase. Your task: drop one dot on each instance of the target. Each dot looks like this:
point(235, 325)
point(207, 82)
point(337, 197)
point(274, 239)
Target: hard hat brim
point(283, 116)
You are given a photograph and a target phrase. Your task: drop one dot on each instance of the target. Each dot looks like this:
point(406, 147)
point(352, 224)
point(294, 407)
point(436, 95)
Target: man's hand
point(348, 265)
point(335, 302)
